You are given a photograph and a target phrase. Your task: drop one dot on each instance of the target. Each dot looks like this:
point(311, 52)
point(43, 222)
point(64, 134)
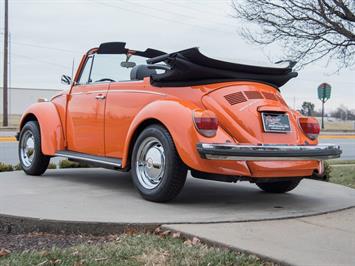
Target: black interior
point(141, 71)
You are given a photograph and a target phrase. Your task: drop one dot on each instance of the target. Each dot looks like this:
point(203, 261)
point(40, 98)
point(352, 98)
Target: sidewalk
point(318, 240)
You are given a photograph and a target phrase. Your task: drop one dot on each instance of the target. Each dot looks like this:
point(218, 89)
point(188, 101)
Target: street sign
point(324, 90)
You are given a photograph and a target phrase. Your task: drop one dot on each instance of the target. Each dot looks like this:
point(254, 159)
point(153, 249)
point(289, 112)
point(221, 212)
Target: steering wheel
point(105, 79)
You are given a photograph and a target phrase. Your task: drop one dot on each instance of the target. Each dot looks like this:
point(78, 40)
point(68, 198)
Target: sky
point(47, 35)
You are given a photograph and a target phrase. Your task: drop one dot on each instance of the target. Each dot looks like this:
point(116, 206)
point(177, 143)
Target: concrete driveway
point(233, 215)
point(98, 195)
point(327, 239)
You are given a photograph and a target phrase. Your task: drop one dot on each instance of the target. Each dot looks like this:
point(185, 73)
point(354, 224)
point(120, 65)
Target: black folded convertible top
point(190, 67)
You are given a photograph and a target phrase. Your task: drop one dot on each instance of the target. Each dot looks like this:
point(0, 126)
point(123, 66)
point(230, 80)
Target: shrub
point(326, 174)
point(6, 167)
point(71, 164)
point(52, 166)
point(17, 167)
point(327, 171)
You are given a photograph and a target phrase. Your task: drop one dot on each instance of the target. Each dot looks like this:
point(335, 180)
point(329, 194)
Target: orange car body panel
point(52, 137)
point(76, 120)
point(85, 119)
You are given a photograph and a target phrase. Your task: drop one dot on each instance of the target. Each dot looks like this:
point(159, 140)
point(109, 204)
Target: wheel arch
point(176, 116)
point(26, 118)
point(45, 113)
point(139, 129)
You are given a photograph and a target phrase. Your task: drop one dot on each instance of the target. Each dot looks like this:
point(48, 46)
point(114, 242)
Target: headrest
point(141, 71)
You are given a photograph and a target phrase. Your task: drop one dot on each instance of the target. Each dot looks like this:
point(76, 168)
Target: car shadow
point(195, 192)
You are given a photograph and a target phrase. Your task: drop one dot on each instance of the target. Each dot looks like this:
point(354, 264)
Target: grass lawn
point(140, 249)
point(343, 174)
point(337, 161)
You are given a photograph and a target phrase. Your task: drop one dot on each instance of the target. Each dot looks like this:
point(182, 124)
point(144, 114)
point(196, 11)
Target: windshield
point(113, 67)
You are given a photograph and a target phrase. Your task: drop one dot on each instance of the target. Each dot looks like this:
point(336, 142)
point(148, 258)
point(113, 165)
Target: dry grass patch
point(139, 249)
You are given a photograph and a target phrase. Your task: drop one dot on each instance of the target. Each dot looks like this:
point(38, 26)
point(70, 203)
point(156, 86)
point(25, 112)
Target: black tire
point(278, 186)
point(39, 163)
point(174, 173)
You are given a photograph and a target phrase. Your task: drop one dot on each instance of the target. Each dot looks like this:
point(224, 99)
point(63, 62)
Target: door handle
point(100, 97)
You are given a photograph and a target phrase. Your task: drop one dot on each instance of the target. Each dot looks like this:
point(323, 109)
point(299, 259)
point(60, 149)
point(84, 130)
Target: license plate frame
point(276, 122)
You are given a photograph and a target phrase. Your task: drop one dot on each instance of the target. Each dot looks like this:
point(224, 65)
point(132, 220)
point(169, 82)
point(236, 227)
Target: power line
point(38, 60)
point(193, 17)
point(42, 46)
point(165, 19)
point(191, 8)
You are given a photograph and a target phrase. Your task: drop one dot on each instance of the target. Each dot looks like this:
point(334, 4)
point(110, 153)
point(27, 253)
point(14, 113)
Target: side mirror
point(65, 80)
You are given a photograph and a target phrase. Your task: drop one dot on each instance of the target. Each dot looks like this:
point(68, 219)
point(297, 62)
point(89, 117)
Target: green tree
point(307, 108)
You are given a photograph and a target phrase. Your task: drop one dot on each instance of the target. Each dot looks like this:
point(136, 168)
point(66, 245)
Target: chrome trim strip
point(87, 159)
point(241, 158)
point(267, 152)
point(89, 92)
point(139, 91)
point(119, 91)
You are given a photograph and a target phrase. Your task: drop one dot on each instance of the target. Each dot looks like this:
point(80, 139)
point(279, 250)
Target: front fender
point(52, 137)
point(177, 116)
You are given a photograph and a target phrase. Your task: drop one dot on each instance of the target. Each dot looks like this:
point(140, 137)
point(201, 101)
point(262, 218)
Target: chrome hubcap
point(27, 148)
point(150, 165)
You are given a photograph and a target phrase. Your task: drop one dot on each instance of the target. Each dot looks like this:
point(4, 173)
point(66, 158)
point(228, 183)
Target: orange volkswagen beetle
point(160, 115)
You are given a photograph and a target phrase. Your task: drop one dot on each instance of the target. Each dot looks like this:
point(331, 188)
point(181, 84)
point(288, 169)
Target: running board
point(100, 160)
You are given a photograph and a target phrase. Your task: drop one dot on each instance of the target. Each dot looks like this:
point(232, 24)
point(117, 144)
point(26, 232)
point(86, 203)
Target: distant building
point(21, 98)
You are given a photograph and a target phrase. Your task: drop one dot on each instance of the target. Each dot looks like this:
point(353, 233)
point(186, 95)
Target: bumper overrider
point(227, 151)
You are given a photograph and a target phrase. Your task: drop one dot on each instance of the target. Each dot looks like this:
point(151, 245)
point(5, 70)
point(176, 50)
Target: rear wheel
point(32, 160)
point(157, 170)
point(278, 186)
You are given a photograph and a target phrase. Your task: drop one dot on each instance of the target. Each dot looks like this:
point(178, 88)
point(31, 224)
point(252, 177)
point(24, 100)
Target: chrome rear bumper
point(267, 152)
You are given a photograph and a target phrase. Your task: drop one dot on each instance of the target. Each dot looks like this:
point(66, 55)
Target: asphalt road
point(8, 150)
point(347, 145)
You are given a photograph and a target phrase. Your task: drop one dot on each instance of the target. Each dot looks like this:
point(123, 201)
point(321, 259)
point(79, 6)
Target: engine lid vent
point(235, 98)
point(253, 95)
point(269, 96)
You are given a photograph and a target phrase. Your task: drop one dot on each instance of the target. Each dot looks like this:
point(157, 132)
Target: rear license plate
point(275, 122)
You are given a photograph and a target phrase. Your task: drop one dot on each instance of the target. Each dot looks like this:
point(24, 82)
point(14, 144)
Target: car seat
point(141, 71)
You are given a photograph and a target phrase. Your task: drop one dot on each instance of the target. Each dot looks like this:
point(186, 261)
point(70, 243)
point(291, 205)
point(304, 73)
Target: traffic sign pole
point(324, 91)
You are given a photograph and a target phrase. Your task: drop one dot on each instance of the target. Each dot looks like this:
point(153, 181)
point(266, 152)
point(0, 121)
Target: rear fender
point(176, 116)
point(52, 137)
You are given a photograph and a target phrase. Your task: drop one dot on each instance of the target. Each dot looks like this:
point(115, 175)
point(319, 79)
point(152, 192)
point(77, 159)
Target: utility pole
point(5, 121)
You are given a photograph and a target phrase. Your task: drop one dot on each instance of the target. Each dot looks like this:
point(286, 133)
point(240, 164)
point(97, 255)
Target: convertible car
point(160, 115)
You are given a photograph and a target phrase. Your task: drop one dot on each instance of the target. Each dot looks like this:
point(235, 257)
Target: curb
point(22, 225)
point(8, 139)
point(336, 137)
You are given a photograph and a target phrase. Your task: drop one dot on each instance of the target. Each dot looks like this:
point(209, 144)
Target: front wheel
point(32, 160)
point(278, 186)
point(157, 170)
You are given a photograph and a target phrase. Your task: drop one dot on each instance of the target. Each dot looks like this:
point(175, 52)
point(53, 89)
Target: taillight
point(310, 126)
point(205, 122)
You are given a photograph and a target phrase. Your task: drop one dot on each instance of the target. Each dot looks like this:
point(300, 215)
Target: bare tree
point(308, 29)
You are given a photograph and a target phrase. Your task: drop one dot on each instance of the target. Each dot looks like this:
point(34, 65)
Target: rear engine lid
point(240, 109)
